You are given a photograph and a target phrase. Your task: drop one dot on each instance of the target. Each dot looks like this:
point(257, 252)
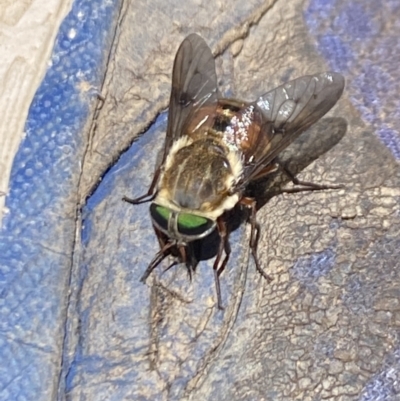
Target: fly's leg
point(174, 263)
point(149, 196)
point(165, 250)
point(185, 255)
point(141, 199)
point(187, 258)
point(160, 256)
point(254, 234)
point(224, 246)
point(304, 185)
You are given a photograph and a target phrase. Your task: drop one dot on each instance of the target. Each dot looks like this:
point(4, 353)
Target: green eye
point(192, 225)
point(191, 220)
point(160, 215)
point(177, 225)
point(163, 212)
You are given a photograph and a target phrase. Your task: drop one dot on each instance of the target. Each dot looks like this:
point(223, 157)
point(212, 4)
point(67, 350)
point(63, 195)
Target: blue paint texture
point(386, 385)
point(361, 40)
point(36, 241)
point(308, 270)
point(37, 238)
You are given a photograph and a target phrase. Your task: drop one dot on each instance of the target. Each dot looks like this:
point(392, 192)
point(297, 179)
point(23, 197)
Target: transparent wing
point(289, 110)
point(194, 84)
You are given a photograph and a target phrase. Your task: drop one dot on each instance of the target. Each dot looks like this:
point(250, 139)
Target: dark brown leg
point(187, 259)
point(149, 196)
point(160, 256)
point(141, 199)
point(254, 234)
point(224, 246)
point(305, 185)
point(174, 263)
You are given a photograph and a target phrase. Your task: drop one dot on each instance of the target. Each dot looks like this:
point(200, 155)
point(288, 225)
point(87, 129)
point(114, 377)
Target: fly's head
point(180, 226)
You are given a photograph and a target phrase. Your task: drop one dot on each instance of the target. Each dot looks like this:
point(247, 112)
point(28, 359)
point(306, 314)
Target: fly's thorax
point(237, 125)
point(200, 176)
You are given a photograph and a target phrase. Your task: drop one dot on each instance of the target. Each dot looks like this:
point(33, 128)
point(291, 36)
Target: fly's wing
point(289, 110)
point(194, 84)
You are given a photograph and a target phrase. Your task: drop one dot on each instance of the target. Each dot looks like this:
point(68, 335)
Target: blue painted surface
point(385, 386)
point(36, 241)
point(361, 40)
point(308, 269)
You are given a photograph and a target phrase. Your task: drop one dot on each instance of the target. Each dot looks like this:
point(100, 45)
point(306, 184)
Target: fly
point(215, 147)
